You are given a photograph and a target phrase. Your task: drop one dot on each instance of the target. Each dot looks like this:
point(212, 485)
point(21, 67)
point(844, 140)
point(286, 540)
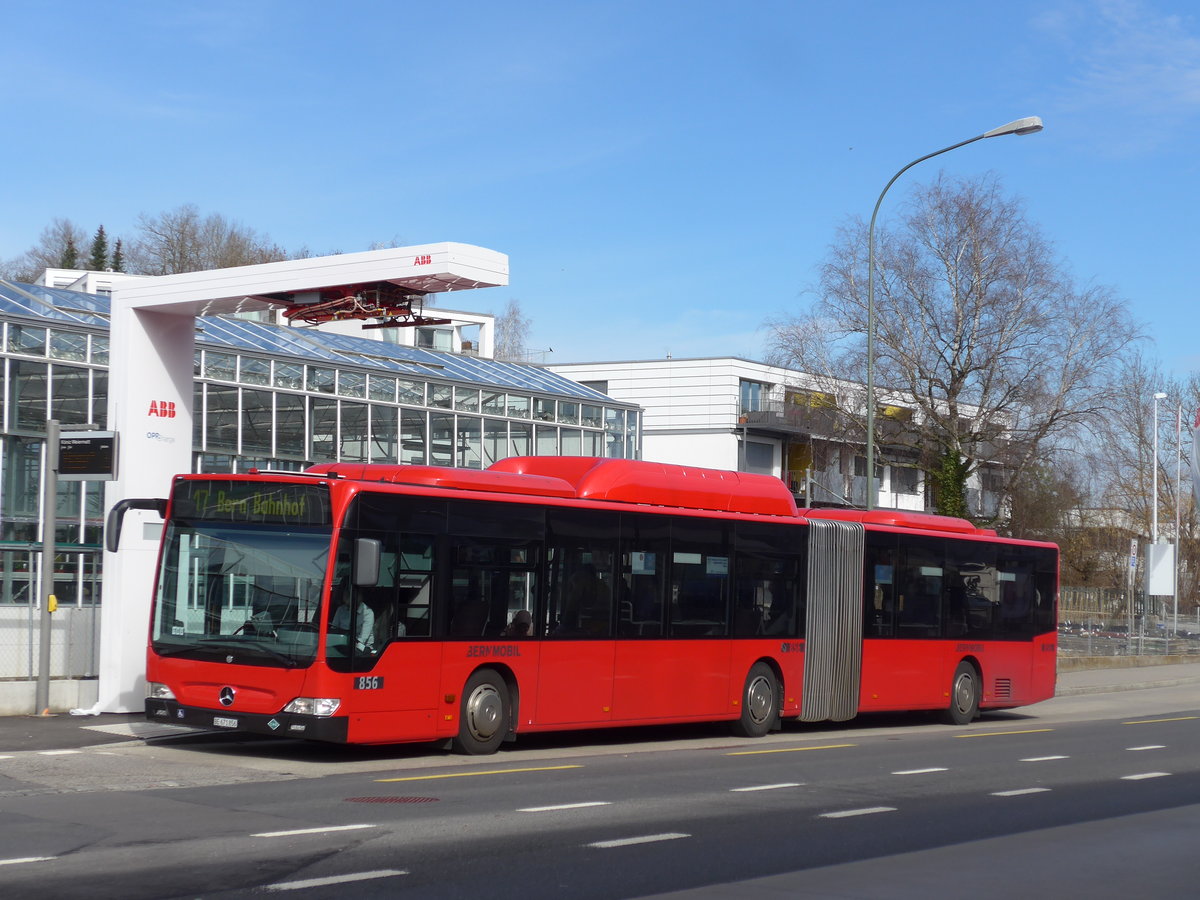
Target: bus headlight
point(157, 691)
point(314, 706)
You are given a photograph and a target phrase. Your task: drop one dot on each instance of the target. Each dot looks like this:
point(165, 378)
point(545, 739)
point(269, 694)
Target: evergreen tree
point(98, 261)
point(70, 254)
point(118, 257)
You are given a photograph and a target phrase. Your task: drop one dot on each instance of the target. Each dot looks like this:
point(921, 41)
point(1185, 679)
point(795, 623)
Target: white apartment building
point(731, 413)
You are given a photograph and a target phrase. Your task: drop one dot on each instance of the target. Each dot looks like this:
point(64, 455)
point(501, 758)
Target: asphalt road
point(1096, 794)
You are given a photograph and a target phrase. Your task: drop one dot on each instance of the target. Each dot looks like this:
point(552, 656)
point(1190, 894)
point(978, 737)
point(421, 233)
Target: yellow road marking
point(470, 774)
point(1153, 721)
point(1002, 733)
point(790, 750)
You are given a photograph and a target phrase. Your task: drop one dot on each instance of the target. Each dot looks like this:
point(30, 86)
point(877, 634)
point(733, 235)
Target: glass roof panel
point(307, 344)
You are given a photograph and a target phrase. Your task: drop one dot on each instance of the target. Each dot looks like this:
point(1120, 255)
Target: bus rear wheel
point(964, 696)
point(760, 703)
point(483, 720)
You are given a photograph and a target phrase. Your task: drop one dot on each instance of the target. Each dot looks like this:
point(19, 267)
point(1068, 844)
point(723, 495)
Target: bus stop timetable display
point(87, 456)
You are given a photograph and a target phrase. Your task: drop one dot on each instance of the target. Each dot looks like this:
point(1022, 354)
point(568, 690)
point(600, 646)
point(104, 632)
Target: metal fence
point(1104, 622)
point(74, 642)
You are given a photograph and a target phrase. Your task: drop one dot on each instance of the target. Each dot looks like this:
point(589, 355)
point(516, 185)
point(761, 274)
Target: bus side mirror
point(367, 554)
point(116, 517)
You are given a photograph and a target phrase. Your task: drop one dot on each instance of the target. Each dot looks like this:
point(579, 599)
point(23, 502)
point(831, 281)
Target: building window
point(601, 386)
point(322, 381)
point(383, 434)
point(352, 433)
point(760, 458)
point(26, 339)
point(382, 387)
point(221, 366)
point(518, 406)
point(752, 395)
point(905, 480)
point(412, 437)
point(68, 345)
point(69, 395)
point(466, 399)
point(435, 339)
point(221, 418)
point(289, 426)
point(289, 375)
point(27, 395)
point(411, 392)
point(100, 349)
point(254, 371)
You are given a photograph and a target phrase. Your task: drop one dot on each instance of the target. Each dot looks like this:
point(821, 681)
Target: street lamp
point(1028, 125)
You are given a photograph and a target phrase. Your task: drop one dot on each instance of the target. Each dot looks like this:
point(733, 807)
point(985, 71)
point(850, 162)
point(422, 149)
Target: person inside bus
point(522, 622)
point(588, 603)
point(363, 619)
point(779, 621)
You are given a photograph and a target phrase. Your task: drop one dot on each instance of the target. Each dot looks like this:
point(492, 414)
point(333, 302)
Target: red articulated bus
point(374, 604)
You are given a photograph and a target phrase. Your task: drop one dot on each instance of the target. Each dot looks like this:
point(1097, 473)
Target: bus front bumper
point(287, 725)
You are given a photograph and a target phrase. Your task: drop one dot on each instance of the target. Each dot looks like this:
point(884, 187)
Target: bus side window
point(580, 586)
point(921, 579)
point(880, 601)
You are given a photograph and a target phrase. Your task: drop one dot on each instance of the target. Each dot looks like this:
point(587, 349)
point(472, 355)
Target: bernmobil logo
point(164, 409)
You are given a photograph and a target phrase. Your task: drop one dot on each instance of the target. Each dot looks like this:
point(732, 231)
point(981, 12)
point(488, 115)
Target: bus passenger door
point(575, 675)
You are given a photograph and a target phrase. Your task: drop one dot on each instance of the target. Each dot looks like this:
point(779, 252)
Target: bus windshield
point(240, 592)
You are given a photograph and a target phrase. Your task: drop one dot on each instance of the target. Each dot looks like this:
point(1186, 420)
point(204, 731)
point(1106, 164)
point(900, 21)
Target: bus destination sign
point(253, 502)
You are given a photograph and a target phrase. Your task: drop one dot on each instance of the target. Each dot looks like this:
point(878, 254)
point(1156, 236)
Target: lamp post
point(1028, 125)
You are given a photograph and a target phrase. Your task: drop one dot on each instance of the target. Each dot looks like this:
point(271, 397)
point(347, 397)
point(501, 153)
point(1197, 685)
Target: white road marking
point(1043, 758)
point(1145, 775)
point(334, 879)
point(1149, 747)
point(564, 806)
point(5, 757)
point(767, 787)
point(311, 830)
point(920, 771)
point(1018, 793)
point(644, 839)
point(868, 811)
point(58, 752)
point(25, 859)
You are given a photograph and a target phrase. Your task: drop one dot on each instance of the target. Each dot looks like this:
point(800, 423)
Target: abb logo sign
point(163, 409)
point(422, 260)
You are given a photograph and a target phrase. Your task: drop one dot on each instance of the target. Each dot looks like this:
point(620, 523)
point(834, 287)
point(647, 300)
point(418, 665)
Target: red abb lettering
point(164, 409)
point(422, 260)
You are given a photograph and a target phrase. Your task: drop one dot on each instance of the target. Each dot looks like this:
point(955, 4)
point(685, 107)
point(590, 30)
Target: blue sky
point(665, 176)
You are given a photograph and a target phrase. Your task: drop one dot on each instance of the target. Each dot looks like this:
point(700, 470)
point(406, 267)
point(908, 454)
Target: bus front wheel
point(964, 696)
point(483, 717)
point(760, 703)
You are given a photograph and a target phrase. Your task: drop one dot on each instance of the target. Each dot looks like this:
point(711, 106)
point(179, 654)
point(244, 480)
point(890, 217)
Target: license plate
point(224, 722)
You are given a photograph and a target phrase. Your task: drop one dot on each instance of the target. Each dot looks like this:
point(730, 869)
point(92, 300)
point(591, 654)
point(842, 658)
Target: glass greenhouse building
point(267, 397)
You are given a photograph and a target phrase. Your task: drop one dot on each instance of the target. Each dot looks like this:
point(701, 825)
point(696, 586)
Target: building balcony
point(791, 418)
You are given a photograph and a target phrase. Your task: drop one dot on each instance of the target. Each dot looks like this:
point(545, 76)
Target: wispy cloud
point(1133, 65)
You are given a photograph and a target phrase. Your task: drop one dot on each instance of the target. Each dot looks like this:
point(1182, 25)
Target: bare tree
point(512, 333)
point(977, 325)
point(1121, 465)
point(182, 241)
point(57, 248)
